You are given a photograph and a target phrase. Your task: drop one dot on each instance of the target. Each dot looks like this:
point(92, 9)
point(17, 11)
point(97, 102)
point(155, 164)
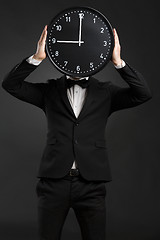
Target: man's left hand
point(116, 55)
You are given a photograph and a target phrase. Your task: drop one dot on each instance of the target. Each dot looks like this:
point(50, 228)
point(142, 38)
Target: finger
point(116, 39)
point(44, 33)
point(44, 36)
point(116, 36)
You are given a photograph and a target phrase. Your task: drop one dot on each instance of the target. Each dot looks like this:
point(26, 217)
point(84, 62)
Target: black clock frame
point(111, 34)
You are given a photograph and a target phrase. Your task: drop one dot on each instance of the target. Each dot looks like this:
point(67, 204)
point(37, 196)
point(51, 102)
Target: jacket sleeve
point(135, 94)
point(29, 92)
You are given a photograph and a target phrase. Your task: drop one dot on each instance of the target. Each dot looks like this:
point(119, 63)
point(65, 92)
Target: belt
point(73, 172)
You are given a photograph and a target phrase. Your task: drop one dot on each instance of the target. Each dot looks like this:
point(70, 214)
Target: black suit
point(71, 138)
point(83, 137)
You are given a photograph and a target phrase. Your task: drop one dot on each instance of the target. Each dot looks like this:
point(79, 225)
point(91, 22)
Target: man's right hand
point(40, 53)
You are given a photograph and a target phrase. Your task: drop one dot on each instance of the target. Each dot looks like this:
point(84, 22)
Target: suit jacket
point(81, 138)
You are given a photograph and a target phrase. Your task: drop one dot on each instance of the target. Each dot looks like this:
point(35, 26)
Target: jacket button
point(77, 123)
point(75, 142)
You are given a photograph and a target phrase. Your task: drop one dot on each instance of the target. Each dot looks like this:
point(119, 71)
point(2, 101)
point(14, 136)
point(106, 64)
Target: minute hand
point(80, 28)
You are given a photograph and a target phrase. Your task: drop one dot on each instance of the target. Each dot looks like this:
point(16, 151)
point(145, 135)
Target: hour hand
point(59, 41)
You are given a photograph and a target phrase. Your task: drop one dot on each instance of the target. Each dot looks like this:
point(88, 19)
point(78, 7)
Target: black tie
point(83, 83)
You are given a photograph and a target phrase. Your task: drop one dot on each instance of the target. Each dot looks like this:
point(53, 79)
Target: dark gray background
point(133, 201)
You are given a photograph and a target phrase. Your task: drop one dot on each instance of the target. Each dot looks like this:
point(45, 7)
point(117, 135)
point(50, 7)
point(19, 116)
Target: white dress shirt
point(76, 94)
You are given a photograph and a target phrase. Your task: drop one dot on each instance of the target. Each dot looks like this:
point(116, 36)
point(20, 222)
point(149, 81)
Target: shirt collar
point(69, 77)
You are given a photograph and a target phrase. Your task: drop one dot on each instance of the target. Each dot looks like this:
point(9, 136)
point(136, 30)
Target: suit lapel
point(63, 94)
point(90, 97)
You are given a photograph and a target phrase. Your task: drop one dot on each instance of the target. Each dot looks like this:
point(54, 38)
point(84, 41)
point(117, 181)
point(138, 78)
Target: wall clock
point(79, 41)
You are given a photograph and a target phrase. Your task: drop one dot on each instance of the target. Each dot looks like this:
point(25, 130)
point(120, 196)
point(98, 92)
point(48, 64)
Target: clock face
point(79, 41)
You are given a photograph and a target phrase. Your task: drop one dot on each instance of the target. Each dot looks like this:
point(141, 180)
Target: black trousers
point(57, 196)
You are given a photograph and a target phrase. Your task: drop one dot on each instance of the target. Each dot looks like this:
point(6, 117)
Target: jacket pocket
point(100, 144)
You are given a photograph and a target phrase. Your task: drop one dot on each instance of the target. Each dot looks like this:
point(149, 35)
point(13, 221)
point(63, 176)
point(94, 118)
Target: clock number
point(78, 68)
point(105, 43)
point(102, 30)
point(65, 63)
point(94, 20)
point(53, 40)
point(68, 19)
point(101, 56)
point(81, 15)
point(58, 27)
point(56, 53)
point(91, 65)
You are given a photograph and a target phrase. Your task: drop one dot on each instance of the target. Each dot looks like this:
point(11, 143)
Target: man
point(74, 167)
